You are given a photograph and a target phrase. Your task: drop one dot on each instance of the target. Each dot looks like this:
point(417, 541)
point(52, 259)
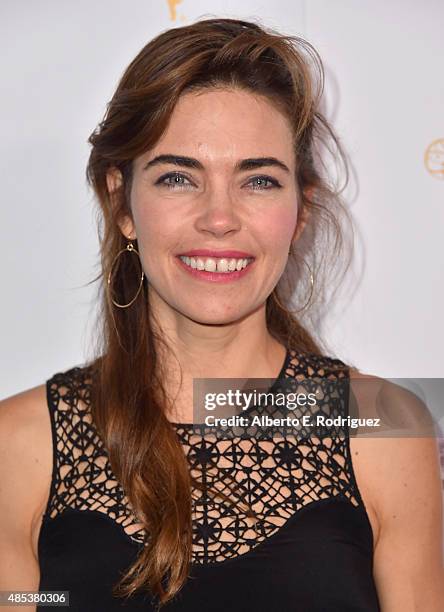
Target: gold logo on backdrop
point(172, 6)
point(434, 158)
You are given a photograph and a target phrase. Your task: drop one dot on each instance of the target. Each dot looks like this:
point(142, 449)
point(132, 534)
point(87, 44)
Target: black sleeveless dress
point(311, 551)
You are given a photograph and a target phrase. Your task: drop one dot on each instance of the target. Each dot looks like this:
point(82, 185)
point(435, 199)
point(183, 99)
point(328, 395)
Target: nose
point(219, 214)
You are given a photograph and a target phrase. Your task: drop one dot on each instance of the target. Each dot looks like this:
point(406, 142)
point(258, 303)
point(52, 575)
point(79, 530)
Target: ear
point(114, 181)
point(303, 217)
point(308, 192)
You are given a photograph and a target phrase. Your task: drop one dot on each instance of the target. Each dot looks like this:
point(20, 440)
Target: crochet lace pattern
point(276, 476)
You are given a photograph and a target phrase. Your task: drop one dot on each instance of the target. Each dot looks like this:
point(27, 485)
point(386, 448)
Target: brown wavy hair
point(128, 400)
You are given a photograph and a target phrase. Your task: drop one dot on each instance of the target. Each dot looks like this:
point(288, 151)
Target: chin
point(217, 316)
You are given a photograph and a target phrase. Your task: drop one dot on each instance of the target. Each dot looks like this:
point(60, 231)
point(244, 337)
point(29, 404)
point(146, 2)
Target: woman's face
point(213, 200)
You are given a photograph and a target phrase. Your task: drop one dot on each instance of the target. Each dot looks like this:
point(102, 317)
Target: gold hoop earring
point(275, 296)
point(129, 248)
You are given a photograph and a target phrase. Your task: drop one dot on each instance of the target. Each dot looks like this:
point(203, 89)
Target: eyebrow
point(190, 162)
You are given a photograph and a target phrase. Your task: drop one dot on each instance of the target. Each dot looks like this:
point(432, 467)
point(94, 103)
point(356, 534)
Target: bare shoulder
point(26, 404)
point(398, 472)
point(24, 417)
point(25, 460)
point(400, 440)
point(401, 412)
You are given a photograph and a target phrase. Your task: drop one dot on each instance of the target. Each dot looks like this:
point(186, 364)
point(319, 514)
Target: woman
point(206, 171)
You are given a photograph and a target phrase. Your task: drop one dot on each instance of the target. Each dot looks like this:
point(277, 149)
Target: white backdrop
point(384, 91)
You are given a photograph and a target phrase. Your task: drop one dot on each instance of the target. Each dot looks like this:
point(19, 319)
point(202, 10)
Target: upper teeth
point(215, 264)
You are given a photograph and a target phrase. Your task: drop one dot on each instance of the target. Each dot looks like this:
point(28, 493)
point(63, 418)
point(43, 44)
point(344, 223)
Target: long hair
point(128, 400)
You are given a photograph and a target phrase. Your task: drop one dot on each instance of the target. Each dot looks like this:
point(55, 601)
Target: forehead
point(227, 124)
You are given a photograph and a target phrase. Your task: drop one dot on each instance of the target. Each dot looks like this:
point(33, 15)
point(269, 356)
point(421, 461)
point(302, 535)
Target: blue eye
point(177, 176)
point(268, 179)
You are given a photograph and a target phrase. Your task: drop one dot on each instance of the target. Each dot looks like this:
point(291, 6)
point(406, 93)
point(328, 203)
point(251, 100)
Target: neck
point(240, 349)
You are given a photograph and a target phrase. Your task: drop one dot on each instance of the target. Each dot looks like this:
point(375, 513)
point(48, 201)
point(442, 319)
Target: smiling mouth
point(222, 265)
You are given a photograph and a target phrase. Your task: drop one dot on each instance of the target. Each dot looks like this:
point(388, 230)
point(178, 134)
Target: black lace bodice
point(276, 476)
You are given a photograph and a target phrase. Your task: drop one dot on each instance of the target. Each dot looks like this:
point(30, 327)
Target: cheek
point(151, 235)
point(279, 228)
point(153, 229)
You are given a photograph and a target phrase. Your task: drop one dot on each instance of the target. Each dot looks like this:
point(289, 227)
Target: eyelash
point(161, 182)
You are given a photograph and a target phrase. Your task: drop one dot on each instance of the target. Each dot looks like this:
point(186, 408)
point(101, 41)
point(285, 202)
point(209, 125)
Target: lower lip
point(215, 277)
